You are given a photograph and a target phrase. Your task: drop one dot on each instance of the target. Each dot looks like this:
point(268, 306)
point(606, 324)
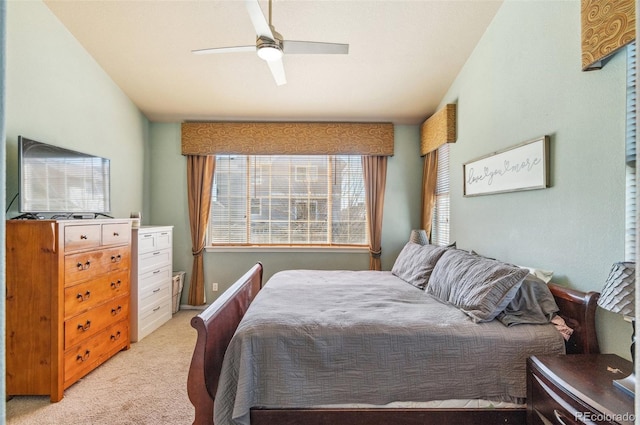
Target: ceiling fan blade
point(277, 70)
point(313, 47)
point(235, 49)
point(258, 20)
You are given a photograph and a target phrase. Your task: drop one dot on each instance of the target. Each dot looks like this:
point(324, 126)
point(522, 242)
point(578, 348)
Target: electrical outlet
point(214, 287)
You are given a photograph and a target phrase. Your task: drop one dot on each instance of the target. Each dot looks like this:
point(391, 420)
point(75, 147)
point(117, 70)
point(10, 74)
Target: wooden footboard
point(216, 325)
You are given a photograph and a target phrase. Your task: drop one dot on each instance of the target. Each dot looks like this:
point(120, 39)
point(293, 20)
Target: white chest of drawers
point(151, 279)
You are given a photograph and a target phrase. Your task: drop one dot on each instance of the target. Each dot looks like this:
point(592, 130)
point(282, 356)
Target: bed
point(259, 392)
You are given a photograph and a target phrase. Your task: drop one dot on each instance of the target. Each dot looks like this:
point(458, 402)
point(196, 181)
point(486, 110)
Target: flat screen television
point(54, 180)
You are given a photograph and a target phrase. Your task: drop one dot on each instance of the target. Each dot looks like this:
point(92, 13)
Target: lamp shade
point(419, 236)
point(619, 293)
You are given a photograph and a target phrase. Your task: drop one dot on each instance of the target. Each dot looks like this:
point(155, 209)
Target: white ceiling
point(403, 56)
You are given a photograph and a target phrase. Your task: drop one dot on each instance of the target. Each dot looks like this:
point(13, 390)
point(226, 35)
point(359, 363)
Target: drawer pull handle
point(156, 272)
point(84, 327)
point(148, 236)
point(84, 237)
point(116, 285)
point(116, 311)
point(116, 336)
point(84, 297)
point(157, 308)
point(83, 358)
point(155, 291)
point(116, 234)
point(84, 266)
point(116, 258)
point(559, 417)
point(156, 253)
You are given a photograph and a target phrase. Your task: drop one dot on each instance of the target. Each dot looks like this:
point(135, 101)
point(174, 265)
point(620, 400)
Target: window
point(278, 200)
point(631, 199)
point(440, 224)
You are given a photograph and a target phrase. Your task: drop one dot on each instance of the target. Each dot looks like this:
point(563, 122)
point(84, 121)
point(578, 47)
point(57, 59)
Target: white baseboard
point(193, 307)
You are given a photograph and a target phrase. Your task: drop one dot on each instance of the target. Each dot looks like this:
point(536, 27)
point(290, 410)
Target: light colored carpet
point(145, 385)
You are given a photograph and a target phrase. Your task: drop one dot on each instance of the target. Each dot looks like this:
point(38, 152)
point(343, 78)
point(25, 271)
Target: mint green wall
point(523, 81)
point(58, 94)
point(169, 206)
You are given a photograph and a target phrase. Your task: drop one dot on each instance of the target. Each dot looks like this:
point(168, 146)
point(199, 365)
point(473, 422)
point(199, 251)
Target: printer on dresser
point(151, 279)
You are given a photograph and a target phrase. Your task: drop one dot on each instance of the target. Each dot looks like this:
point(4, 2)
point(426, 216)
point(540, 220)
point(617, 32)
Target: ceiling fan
point(270, 46)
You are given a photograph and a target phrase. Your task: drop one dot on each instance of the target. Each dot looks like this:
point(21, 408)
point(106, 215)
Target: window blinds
point(440, 226)
point(288, 200)
point(631, 180)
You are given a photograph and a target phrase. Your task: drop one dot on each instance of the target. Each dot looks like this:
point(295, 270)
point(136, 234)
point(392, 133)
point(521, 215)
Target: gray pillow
point(415, 263)
point(533, 303)
point(479, 286)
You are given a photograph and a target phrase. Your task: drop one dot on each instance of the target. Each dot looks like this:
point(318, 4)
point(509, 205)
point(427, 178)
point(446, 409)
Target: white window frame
point(256, 176)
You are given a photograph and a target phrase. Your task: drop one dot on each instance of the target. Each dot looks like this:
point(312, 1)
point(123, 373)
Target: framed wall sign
point(521, 167)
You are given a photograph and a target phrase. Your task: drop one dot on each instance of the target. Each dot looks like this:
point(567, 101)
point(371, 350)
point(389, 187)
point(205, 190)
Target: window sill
point(289, 249)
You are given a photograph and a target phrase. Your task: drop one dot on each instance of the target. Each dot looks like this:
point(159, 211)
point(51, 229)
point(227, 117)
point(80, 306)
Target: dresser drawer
point(154, 285)
point(84, 296)
point(550, 405)
point(87, 265)
point(154, 315)
point(116, 233)
point(81, 237)
point(85, 325)
point(81, 359)
point(164, 240)
point(153, 261)
point(153, 241)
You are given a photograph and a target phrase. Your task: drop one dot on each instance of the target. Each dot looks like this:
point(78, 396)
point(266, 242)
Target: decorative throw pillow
point(416, 262)
point(533, 303)
point(479, 286)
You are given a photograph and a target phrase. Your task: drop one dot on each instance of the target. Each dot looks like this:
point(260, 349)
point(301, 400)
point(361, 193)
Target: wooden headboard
point(578, 309)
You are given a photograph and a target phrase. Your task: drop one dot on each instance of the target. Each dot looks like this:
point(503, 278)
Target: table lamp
point(419, 236)
point(619, 296)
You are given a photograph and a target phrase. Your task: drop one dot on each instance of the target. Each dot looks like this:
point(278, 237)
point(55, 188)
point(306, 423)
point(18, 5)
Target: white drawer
point(152, 261)
point(151, 317)
point(164, 240)
point(146, 242)
point(154, 240)
point(155, 286)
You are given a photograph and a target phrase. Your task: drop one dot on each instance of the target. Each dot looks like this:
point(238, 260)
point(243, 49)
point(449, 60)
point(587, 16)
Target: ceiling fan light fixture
point(269, 50)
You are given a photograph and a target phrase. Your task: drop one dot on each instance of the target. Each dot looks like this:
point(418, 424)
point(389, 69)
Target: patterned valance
point(439, 129)
point(287, 138)
point(607, 25)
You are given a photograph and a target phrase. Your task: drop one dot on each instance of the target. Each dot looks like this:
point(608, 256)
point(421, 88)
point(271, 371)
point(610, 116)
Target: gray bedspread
point(334, 337)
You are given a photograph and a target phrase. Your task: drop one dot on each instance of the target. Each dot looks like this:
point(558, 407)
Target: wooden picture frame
point(521, 167)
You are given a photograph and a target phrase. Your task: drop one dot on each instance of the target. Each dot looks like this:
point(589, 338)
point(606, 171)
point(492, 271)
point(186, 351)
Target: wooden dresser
point(151, 279)
point(67, 305)
point(577, 389)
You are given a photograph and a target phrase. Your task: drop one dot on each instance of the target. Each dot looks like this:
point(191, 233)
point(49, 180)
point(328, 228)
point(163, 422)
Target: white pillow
point(544, 275)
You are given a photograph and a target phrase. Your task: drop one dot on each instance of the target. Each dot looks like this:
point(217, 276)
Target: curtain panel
point(287, 138)
point(200, 170)
point(429, 179)
point(375, 178)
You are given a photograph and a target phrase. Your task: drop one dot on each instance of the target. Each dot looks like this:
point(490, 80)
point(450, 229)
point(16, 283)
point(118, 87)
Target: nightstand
point(577, 389)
